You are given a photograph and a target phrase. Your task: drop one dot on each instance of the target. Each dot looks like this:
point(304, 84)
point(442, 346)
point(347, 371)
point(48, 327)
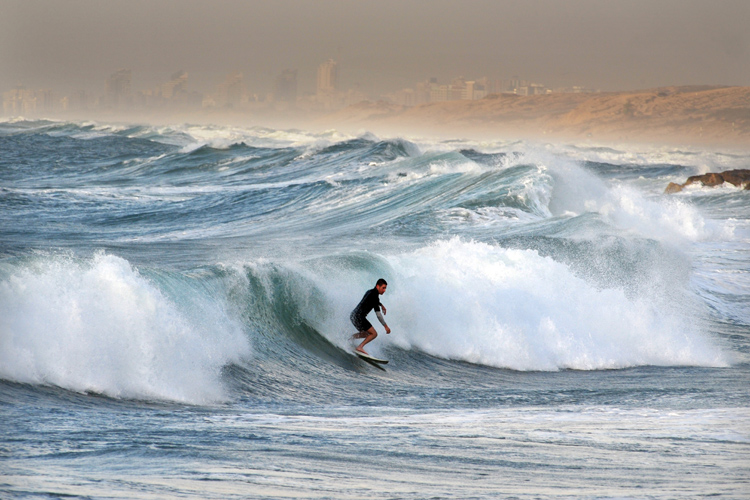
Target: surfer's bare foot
point(361, 350)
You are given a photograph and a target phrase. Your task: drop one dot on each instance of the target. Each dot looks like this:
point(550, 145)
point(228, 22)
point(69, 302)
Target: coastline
point(700, 116)
point(705, 116)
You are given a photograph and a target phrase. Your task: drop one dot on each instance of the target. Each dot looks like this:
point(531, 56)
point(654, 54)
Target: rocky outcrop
point(739, 178)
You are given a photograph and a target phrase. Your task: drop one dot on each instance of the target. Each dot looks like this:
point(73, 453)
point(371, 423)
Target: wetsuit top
point(370, 301)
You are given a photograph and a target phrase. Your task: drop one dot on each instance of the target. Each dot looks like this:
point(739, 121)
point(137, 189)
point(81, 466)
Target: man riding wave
point(370, 301)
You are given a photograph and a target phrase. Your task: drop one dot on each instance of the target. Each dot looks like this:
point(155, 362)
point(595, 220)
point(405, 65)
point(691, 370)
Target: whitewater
point(174, 316)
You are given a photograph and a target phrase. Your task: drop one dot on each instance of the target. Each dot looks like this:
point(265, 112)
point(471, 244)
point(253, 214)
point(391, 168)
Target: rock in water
point(739, 178)
point(709, 180)
point(673, 187)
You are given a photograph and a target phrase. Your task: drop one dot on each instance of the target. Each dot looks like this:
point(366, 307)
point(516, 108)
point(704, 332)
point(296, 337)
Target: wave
point(230, 250)
point(98, 325)
point(225, 156)
point(488, 305)
point(323, 184)
point(515, 309)
point(188, 137)
point(101, 325)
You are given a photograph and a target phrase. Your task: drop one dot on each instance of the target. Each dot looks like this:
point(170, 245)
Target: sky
point(381, 45)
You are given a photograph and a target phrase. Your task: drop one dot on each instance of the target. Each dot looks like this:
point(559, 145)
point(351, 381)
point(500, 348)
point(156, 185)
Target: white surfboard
point(371, 359)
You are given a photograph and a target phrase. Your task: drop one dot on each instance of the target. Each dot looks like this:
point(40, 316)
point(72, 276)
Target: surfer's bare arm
point(382, 320)
point(383, 308)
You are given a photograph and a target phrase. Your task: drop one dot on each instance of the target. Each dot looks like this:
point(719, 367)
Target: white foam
point(575, 191)
point(560, 186)
point(515, 309)
point(626, 205)
point(101, 326)
point(700, 161)
point(487, 216)
point(192, 137)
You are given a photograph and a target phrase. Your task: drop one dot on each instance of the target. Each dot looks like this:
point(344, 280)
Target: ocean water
point(174, 310)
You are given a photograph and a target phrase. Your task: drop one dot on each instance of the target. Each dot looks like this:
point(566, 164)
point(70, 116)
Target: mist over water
point(192, 285)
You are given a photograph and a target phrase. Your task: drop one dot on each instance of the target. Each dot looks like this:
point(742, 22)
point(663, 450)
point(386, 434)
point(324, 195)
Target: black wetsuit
point(370, 301)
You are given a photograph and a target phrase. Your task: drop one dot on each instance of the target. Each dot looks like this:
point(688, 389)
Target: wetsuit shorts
point(361, 324)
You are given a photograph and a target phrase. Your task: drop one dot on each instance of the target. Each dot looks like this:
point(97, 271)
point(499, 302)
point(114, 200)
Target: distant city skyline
point(326, 76)
point(381, 46)
point(233, 94)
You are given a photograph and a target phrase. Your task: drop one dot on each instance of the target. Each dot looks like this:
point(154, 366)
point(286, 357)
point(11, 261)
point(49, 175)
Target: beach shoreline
point(705, 116)
point(686, 116)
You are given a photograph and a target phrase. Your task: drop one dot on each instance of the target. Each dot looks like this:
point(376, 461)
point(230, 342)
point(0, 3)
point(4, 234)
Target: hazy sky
point(381, 44)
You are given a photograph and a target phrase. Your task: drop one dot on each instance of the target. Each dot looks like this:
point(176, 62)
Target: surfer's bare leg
point(369, 336)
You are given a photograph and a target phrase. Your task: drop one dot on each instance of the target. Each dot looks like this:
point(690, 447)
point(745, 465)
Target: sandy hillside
point(672, 114)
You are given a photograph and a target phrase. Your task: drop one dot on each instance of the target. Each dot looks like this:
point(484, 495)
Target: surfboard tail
point(371, 359)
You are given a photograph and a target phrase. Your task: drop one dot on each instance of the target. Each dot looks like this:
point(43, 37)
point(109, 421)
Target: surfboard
point(371, 359)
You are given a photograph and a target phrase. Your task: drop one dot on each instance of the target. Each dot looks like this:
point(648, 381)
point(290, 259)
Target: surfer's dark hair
point(381, 281)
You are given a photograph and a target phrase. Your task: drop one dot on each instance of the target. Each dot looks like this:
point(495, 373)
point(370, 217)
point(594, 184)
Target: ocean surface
point(174, 317)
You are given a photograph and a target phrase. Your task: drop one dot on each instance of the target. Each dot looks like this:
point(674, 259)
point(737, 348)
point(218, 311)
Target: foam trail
point(100, 326)
point(515, 309)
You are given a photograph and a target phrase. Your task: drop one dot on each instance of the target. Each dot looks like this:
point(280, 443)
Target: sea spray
point(575, 190)
point(514, 309)
point(495, 306)
point(99, 325)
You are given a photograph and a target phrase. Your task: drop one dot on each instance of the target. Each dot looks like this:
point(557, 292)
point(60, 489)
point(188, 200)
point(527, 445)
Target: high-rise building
point(232, 91)
point(19, 101)
point(328, 77)
point(285, 86)
point(439, 93)
point(468, 93)
point(480, 91)
point(424, 90)
point(48, 101)
point(119, 89)
point(457, 89)
point(176, 87)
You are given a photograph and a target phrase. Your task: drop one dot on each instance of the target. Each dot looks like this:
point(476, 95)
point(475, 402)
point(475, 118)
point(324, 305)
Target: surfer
point(370, 301)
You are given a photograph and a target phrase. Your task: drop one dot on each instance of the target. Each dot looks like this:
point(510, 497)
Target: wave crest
point(515, 309)
point(100, 326)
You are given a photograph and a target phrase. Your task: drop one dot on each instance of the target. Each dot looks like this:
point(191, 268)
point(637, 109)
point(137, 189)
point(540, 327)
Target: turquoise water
point(174, 310)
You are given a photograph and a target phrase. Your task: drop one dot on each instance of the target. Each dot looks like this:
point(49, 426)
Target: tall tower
point(119, 88)
point(285, 87)
point(232, 90)
point(176, 87)
point(328, 75)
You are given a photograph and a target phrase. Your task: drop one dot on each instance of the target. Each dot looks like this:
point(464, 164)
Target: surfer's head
point(380, 286)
